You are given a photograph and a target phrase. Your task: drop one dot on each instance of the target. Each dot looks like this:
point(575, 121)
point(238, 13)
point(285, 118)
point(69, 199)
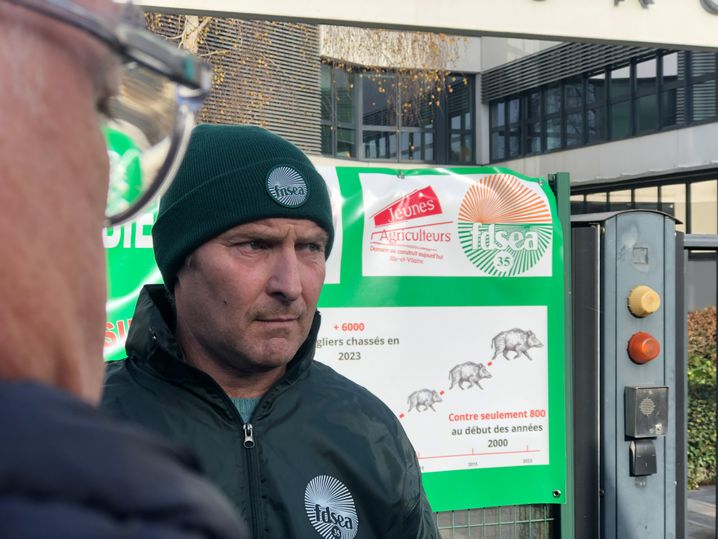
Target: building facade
point(635, 127)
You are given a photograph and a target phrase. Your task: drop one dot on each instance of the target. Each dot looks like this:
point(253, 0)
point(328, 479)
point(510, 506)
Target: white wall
point(496, 51)
point(646, 156)
point(391, 49)
point(666, 22)
point(387, 48)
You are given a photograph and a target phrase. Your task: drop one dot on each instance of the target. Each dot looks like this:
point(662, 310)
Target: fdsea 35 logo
point(505, 227)
point(330, 508)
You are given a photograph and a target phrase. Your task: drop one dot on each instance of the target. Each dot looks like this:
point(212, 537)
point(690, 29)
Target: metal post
point(560, 184)
point(681, 389)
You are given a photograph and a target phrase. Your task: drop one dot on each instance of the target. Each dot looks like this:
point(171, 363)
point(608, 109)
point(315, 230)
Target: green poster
point(130, 265)
point(444, 296)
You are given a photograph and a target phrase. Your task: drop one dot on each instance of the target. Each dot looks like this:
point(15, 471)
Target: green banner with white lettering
point(444, 296)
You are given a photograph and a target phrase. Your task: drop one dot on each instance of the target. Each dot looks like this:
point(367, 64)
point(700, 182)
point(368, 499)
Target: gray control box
point(646, 410)
point(627, 277)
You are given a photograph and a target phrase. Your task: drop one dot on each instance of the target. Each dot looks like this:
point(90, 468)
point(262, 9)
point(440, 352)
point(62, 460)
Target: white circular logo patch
point(287, 187)
point(330, 508)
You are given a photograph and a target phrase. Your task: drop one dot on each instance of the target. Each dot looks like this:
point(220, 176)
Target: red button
point(643, 347)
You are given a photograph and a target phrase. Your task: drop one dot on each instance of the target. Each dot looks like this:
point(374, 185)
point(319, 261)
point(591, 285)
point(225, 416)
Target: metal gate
point(701, 262)
point(511, 522)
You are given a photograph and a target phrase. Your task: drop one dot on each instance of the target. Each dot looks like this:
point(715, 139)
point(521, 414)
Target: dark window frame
point(615, 100)
point(667, 181)
point(333, 122)
point(438, 133)
point(677, 93)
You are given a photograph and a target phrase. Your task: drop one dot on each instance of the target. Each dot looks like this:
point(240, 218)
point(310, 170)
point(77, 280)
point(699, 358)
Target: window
point(702, 86)
point(552, 117)
point(596, 96)
point(672, 91)
point(514, 134)
point(578, 204)
point(338, 112)
point(647, 96)
point(620, 102)
point(673, 202)
point(497, 124)
point(620, 200)
point(574, 94)
point(325, 86)
point(704, 207)
point(646, 198)
point(382, 115)
point(459, 96)
point(379, 118)
point(533, 122)
point(664, 90)
point(596, 202)
point(693, 203)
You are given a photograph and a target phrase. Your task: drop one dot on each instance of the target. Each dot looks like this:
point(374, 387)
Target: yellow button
point(643, 300)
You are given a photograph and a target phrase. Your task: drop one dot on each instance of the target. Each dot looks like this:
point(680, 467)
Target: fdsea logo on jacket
point(330, 508)
point(287, 187)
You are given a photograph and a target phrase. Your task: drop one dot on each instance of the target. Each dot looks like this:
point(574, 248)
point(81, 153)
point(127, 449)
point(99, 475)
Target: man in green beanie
point(220, 358)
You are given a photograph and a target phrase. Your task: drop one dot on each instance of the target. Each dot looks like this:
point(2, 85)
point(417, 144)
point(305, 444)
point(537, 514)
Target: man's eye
point(251, 245)
point(313, 247)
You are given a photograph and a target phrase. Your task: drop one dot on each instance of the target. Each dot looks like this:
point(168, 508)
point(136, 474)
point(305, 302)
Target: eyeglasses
point(148, 121)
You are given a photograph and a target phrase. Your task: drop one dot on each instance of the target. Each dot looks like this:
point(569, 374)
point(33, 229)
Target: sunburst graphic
point(505, 228)
point(287, 186)
point(330, 508)
point(502, 198)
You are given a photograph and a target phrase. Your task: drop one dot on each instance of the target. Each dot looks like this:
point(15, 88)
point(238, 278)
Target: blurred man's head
point(53, 191)
point(58, 82)
point(241, 238)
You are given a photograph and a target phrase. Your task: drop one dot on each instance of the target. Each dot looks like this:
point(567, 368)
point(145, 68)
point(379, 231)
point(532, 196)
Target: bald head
point(52, 194)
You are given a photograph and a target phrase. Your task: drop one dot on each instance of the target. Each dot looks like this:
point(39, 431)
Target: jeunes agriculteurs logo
point(504, 226)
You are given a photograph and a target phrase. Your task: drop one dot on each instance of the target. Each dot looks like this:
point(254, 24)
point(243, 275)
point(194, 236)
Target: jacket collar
point(151, 343)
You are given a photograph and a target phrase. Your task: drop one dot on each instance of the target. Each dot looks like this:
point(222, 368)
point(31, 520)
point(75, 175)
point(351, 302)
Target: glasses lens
point(146, 130)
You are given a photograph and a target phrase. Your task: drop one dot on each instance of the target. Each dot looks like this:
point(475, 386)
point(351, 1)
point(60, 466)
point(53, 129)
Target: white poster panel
point(469, 384)
point(455, 225)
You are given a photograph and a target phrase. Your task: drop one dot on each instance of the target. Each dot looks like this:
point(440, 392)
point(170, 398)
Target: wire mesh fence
point(510, 522)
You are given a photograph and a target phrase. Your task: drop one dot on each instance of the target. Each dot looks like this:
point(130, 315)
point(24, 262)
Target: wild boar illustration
point(469, 372)
point(423, 397)
point(515, 340)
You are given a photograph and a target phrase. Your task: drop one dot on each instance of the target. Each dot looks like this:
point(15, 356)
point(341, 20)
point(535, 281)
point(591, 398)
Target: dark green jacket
point(321, 457)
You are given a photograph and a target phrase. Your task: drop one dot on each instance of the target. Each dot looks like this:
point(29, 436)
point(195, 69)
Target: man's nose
point(285, 280)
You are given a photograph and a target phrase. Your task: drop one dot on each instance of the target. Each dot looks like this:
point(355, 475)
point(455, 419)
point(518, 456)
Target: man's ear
point(186, 265)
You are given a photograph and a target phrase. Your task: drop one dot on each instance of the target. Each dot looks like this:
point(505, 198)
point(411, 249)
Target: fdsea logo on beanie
point(287, 186)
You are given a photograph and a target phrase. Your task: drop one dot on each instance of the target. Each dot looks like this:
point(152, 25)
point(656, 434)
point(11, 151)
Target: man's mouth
point(278, 319)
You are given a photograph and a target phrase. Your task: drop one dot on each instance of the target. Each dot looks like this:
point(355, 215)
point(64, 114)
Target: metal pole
point(560, 184)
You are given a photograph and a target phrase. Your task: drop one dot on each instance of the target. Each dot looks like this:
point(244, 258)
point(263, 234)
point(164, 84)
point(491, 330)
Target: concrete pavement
point(701, 517)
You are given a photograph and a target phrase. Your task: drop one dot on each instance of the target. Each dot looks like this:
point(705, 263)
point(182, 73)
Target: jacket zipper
point(248, 435)
point(253, 469)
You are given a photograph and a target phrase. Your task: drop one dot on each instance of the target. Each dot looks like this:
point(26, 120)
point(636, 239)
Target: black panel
point(585, 278)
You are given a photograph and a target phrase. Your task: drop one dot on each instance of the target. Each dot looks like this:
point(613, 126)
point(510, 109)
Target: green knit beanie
point(234, 174)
